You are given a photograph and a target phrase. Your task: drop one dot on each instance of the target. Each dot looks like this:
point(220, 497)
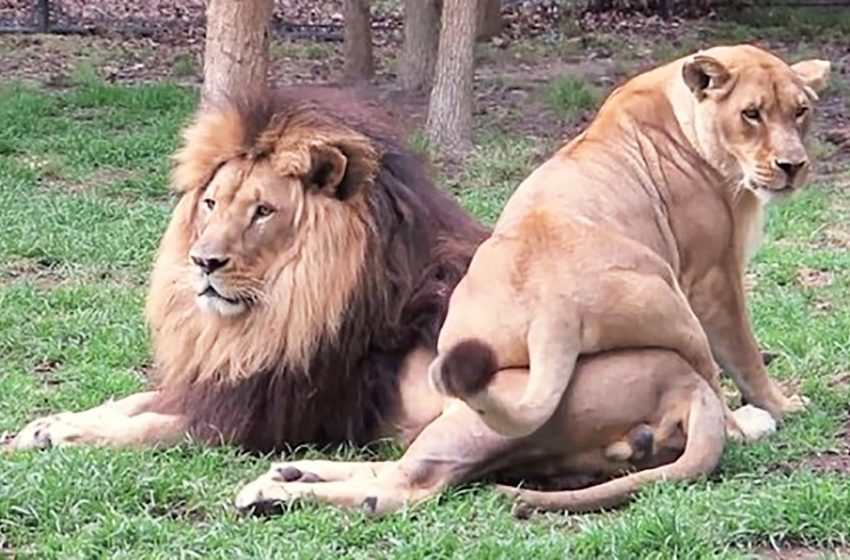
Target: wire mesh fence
point(294, 18)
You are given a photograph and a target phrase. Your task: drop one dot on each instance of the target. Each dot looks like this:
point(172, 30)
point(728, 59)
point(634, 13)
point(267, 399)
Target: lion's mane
point(367, 281)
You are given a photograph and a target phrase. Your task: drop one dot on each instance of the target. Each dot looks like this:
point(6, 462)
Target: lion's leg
point(327, 470)
point(455, 447)
point(723, 314)
point(130, 421)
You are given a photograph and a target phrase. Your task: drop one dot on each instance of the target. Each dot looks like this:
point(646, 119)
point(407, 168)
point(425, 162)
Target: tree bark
point(449, 126)
point(489, 19)
point(359, 64)
point(42, 15)
point(236, 48)
point(421, 38)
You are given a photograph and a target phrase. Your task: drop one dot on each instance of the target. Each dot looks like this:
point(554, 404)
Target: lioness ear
point(703, 73)
point(814, 73)
point(327, 170)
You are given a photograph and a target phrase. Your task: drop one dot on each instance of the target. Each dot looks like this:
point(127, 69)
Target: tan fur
point(302, 307)
point(614, 395)
point(666, 184)
point(188, 344)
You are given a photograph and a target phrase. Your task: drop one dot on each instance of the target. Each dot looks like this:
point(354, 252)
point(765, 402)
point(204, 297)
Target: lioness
point(636, 233)
point(662, 195)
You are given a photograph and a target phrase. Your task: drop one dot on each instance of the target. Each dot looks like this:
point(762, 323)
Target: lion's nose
point(210, 264)
point(790, 168)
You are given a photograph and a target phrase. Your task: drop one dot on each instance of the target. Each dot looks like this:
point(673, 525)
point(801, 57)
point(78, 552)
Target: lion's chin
point(214, 304)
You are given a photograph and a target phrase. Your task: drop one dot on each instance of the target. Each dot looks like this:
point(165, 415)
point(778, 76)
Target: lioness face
point(244, 217)
point(752, 115)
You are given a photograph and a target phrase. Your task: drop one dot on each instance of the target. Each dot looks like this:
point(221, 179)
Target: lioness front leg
point(453, 448)
point(126, 422)
point(724, 316)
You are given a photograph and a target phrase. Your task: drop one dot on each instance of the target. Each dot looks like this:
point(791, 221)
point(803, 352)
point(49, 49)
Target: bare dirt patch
point(39, 272)
point(836, 461)
point(815, 277)
point(801, 553)
point(45, 370)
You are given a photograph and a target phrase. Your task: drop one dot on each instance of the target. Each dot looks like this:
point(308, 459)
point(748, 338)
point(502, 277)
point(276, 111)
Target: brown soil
point(802, 553)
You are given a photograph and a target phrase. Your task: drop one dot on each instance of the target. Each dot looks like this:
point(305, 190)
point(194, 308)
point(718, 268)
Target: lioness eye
point(262, 211)
point(209, 203)
point(801, 111)
point(752, 114)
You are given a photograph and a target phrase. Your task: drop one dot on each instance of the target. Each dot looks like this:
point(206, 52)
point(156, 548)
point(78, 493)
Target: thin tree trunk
point(359, 65)
point(489, 19)
point(42, 15)
point(236, 48)
point(449, 125)
point(421, 38)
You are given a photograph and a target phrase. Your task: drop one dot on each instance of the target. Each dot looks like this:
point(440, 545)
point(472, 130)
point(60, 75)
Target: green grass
point(83, 201)
point(785, 21)
point(184, 66)
point(570, 96)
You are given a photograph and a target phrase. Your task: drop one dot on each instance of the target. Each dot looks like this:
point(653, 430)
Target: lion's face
point(245, 218)
point(752, 115)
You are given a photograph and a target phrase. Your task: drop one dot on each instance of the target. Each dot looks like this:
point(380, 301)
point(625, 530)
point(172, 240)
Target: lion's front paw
point(267, 495)
point(43, 433)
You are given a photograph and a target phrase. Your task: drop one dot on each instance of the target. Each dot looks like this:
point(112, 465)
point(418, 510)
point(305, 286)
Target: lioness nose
point(210, 264)
point(791, 168)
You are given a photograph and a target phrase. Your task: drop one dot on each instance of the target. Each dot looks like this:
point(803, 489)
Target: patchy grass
point(301, 50)
point(73, 264)
point(786, 21)
point(570, 96)
point(184, 66)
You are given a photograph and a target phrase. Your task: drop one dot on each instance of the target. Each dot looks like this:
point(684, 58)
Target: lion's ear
point(341, 169)
point(703, 74)
point(327, 169)
point(814, 73)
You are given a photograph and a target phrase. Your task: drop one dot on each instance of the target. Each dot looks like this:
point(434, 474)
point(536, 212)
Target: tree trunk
point(449, 125)
point(421, 37)
point(359, 65)
point(489, 19)
point(236, 49)
point(42, 15)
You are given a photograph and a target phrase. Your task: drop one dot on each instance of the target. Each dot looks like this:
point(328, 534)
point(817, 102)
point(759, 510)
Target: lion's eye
point(801, 112)
point(263, 211)
point(209, 203)
point(752, 115)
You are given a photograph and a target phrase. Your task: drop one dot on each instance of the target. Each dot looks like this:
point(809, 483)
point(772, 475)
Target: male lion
point(634, 234)
point(302, 279)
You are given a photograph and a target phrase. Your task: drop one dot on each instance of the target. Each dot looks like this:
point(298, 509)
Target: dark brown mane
point(418, 248)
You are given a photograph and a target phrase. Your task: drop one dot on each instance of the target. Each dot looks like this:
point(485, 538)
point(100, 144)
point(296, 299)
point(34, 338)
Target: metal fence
point(149, 17)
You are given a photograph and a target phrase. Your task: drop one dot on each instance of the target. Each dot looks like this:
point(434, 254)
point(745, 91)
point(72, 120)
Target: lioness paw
point(754, 423)
point(795, 403)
